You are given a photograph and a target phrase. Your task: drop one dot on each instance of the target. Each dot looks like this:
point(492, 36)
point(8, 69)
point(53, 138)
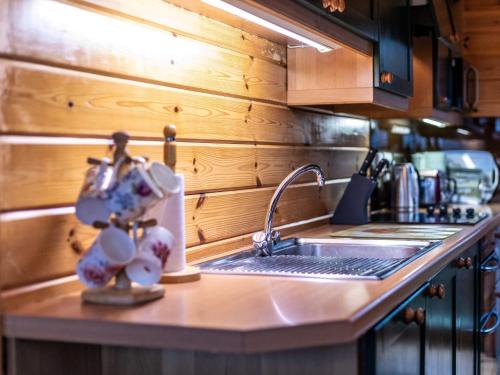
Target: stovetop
point(457, 216)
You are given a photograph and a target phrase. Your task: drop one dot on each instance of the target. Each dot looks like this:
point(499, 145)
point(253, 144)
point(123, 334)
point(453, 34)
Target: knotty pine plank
point(160, 13)
point(43, 174)
point(58, 33)
point(57, 239)
point(482, 20)
point(484, 44)
point(45, 100)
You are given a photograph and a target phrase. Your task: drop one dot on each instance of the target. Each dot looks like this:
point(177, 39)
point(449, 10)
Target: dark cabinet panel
point(399, 340)
point(393, 63)
point(358, 16)
point(439, 324)
point(466, 312)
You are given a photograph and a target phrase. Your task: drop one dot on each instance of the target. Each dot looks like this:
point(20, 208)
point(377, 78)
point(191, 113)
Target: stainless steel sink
point(325, 258)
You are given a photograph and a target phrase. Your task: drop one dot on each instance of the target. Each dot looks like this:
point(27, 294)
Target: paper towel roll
point(170, 214)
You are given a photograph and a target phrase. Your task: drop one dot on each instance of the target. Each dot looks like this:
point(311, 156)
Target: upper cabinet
point(393, 69)
point(353, 82)
point(358, 16)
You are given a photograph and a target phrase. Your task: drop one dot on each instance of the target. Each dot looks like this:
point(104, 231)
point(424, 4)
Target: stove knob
point(430, 210)
point(457, 212)
point(443, 210)
point(470, 212)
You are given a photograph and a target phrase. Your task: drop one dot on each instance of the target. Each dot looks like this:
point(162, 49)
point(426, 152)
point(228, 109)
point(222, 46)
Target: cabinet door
point(440, 324)
point(393, 66)
point(466, 307)
point(398, 342)
point(358, 16)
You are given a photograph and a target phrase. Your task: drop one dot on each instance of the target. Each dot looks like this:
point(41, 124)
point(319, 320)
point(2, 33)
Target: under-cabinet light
point(262, 22)
point(396, 129)
point(463, 131)
point(432, 122)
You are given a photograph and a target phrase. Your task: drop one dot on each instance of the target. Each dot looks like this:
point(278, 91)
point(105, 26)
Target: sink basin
point(325, 258)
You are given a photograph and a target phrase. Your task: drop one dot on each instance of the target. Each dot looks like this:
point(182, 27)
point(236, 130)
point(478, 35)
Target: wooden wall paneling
point(57, 240)
point(46, 100)
point(55, 243)
point(217, 216)
point(58, 33)
point(56, 176)
point(173, 18)
point(203, 252)
point(483, 43)
point(482, 50)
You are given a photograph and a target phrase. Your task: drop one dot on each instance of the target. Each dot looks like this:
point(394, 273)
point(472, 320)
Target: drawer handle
point(485, 319)
point(490, 263)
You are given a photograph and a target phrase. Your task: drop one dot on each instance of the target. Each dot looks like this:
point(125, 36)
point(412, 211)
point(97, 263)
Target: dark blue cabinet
point(359, 16)
point(436, 330)
point(393, 54)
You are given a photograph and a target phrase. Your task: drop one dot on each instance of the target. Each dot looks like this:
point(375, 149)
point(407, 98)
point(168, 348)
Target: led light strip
point(262, 22)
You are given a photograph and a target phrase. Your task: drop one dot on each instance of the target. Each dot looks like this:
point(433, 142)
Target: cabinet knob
point(386, 77)
point(341, 6)
point(441, 291)
point(455, 38)
point(420, 316)
point(437, 291)
point(461, 262)
point(468, 262)
point(334, 5)
point(408, 315)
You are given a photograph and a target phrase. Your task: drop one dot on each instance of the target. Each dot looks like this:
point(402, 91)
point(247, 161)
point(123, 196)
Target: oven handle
point(485, 319)
point(486, 266)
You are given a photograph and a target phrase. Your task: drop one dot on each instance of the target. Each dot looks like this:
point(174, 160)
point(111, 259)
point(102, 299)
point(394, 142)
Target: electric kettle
point(405, 188)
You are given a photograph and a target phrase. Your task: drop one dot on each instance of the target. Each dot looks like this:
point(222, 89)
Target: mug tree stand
point(122, 292)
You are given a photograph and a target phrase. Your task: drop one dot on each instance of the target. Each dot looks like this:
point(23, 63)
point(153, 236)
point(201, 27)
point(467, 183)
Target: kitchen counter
point(242, 314)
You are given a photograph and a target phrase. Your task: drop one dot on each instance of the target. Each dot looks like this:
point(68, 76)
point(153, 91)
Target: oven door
point(489, 320)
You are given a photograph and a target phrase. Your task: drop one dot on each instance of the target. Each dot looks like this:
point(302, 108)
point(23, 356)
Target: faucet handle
point(260, 243)
point(275, 236)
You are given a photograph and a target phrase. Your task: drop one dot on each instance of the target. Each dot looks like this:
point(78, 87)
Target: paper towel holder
point(189, 273)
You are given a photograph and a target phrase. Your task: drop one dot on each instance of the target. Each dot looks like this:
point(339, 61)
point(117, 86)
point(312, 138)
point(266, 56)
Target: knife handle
point(368, 161)
point(379, 168)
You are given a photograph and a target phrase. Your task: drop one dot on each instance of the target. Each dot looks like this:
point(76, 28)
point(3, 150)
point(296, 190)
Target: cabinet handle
point(485, 319)
point(386, 77)
point(410, 315)
point(437, 291)
point(490, 263)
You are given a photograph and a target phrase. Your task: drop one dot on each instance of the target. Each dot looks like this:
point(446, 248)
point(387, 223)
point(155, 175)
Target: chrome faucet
point(264, 242)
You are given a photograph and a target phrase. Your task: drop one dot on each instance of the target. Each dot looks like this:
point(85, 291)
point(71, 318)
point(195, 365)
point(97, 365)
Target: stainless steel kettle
point(405, 188)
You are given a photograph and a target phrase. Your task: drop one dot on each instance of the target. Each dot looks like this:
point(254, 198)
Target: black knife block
point(353, 206)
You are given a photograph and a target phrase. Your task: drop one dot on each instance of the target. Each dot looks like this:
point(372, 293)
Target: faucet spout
point(264, 241)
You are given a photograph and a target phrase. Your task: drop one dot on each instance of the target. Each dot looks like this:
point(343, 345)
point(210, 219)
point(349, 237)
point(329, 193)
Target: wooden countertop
point(242, 314)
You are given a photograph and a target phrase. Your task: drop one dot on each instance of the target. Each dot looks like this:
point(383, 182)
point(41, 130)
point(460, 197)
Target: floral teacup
point(133, 194)
point(109, 253)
